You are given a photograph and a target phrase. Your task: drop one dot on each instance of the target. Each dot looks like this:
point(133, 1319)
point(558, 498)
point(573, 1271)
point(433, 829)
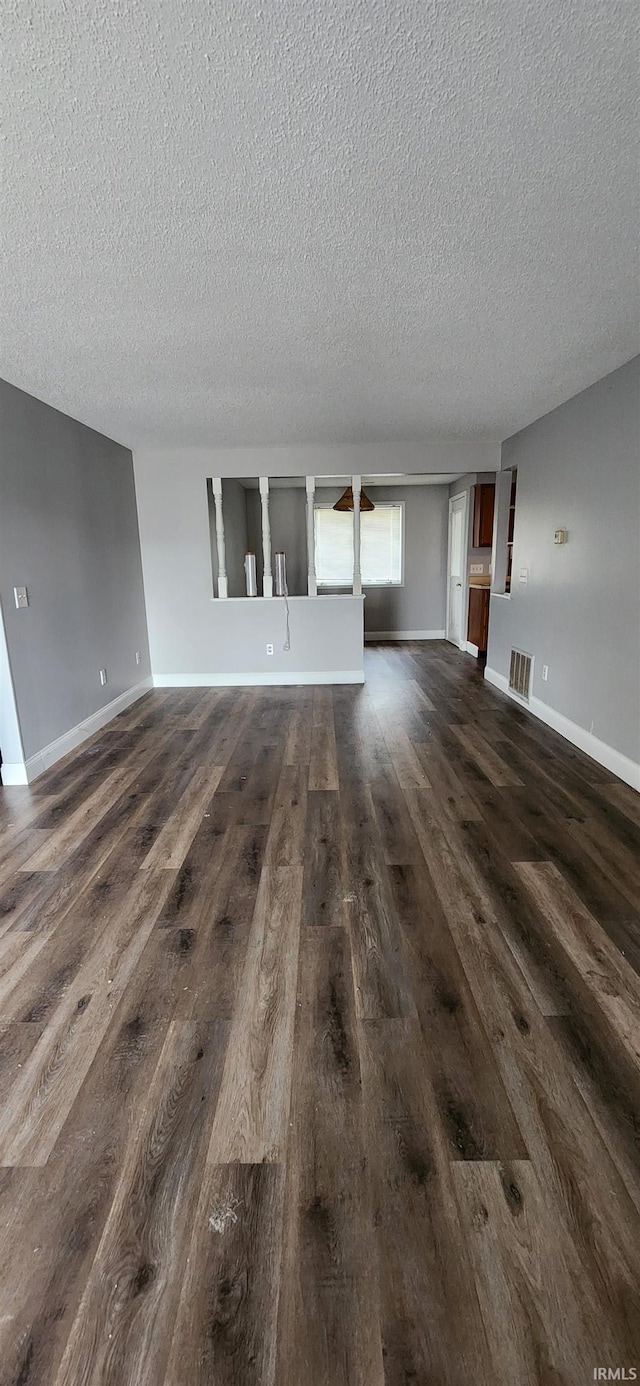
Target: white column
point(312, 586)
point(216, 484)
point(356, 482)
point(267, 579)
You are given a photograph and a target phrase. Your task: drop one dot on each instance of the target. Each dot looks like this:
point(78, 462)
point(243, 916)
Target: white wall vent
point(520, 673)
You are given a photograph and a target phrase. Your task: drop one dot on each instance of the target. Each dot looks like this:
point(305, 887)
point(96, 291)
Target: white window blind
point(381, 534)
point(381, 545)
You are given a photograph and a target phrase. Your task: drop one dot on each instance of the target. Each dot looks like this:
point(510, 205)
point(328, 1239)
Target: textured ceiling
point(317, 220)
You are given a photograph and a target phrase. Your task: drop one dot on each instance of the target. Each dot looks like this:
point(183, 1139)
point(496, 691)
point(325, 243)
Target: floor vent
point(520, 673)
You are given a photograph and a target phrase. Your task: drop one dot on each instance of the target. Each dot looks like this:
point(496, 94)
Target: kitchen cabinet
point(478, 629)
point(483, 502)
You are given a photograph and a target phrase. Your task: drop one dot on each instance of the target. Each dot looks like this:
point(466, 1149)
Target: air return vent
point(520, 673)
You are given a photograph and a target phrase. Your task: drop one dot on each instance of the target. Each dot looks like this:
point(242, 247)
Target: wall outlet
point(103, 677)
point(269, 649)
point(21, 597)
point(138, 657)
point(476, 568)
point(545, 672)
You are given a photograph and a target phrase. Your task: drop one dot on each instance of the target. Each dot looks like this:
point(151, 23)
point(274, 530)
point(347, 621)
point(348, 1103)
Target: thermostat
point(560, 536)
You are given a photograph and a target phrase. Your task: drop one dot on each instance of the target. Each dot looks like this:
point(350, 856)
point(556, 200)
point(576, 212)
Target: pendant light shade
point(346, 501)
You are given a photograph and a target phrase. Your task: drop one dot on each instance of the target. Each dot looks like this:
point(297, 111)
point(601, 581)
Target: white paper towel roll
point(250, 574)
point(281, 574)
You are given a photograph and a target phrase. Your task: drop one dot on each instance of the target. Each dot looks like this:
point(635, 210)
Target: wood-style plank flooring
point(320, 1045)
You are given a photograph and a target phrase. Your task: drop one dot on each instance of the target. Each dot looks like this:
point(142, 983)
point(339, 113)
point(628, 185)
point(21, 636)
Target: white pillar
point(216, 484)
point(267, 579)
point(312, 586)
point(356, 482)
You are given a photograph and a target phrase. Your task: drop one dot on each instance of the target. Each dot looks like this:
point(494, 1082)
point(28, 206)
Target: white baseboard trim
point(501, 681)
point(26, 772)
point(619, 764)
point(14, 772)
point(471, 648)
point(404, 635)
point(256, 680)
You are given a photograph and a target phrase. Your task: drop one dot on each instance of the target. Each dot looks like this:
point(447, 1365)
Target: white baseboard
point(14, 772)
point(404, 635)
point(471, 648)
point(256, 680)
point(498, 681)
point(619, 764)
point(29, 770)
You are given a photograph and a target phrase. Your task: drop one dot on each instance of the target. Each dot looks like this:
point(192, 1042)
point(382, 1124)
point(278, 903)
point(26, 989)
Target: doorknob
point(458, 584)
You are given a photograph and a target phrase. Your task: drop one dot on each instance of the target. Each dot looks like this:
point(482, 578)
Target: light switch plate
point(476, 568)
point(523, 575)
point(21, 596)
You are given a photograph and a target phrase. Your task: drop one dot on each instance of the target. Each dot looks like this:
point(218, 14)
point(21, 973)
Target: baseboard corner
point(42, 760)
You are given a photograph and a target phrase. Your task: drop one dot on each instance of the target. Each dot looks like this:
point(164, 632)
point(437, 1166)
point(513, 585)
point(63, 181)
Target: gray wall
point(328, 459)
point(579, 469)
point(254, 531)
point(69, 533)
point(288, 520)
point(197, 639)
point(190, 633)
point(419, 604)
point(227, 641)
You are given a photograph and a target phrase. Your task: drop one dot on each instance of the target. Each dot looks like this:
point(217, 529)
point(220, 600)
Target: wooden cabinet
point(483, 501)
point(478, 629)
point(511, 526)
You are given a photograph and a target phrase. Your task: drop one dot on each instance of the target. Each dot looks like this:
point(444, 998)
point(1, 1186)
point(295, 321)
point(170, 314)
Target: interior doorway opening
point(456, 571)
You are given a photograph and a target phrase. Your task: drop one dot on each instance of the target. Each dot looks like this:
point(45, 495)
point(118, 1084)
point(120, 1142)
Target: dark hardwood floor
point(320, 1044)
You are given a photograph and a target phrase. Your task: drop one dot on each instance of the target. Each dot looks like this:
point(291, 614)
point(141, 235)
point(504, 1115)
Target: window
point(381, 545)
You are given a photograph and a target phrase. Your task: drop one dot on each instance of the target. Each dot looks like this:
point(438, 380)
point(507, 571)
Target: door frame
point(460, 644)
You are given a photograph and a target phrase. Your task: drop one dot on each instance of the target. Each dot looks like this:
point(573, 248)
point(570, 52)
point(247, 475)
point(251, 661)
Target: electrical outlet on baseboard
point(269, 649)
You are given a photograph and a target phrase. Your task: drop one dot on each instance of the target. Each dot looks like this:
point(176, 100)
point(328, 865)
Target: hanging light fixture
point(346, 501)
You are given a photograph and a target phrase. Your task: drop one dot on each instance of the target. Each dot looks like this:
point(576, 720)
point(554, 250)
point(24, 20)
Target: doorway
point(456, 575)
